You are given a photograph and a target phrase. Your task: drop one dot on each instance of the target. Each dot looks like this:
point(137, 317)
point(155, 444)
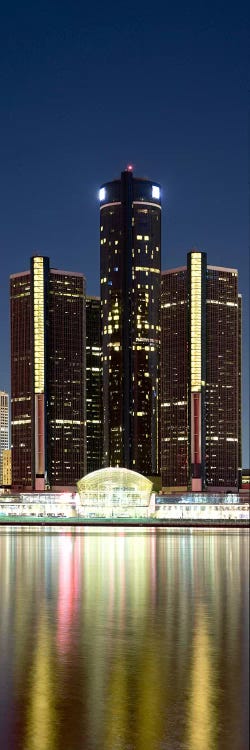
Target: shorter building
point(203, 513)
point(118, 500)
point(245, 481)
point(245, 485)
point(7, 472)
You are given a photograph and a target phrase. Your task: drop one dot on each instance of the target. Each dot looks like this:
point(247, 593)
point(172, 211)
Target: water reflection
point(124, 641)
point(202, 723)
point(40, 731)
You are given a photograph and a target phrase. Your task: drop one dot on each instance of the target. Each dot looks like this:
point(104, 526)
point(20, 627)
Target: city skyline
point(85, 92)
point(245, 424)
point(200, 369)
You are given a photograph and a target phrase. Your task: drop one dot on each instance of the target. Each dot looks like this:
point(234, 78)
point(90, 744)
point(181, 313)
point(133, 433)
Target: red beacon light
point(130, 168)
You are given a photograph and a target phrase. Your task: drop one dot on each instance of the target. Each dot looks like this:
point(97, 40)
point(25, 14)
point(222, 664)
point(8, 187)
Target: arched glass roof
point(114, 486)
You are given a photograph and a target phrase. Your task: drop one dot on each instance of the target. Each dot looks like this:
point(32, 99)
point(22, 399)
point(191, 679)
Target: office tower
point(93, 383)
point(223, 378)
point(200, 376)
point(174, 377)
point(4, 428)
point(47, 377)
point(130, 239)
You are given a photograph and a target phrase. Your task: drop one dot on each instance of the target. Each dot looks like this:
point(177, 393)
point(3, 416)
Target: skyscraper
point(4, 428)
point(47, 377)
point(94, 417)
point(130, 239)
point(174, 379)
point(200, 376)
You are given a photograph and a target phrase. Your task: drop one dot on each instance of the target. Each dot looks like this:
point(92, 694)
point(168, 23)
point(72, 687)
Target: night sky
point(87, 89)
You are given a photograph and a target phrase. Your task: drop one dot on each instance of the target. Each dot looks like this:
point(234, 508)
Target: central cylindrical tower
point(130, 243)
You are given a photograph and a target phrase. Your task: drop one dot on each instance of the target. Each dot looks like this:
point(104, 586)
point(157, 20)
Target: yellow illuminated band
point(38, 325)
point(195, 321)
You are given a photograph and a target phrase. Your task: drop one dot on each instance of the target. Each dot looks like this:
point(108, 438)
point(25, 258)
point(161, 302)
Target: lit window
point(155, 192)
point(102, 193)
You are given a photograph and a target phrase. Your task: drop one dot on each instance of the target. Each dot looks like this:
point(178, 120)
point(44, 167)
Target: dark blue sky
point(85, 90)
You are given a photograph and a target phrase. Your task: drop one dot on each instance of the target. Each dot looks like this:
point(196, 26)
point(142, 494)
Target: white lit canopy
point(114, 486)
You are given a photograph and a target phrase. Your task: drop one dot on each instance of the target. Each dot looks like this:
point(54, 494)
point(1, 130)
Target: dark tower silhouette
point(130, 242)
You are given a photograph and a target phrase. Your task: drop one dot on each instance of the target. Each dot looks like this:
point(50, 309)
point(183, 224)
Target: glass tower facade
point(223, 397)
point(130, 250)
point(200, 376)
point(47, 377)
point(174, 377)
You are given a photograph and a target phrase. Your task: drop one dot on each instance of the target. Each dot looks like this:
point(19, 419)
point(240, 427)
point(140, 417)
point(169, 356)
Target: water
point(124, 640)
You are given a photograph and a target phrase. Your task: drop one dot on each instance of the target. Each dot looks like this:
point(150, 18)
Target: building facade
point(47, 377)
point(200, 376)
point(94, 418)
point(4, 429)
point(130, 251)
point(7, 468)
point(174, 377)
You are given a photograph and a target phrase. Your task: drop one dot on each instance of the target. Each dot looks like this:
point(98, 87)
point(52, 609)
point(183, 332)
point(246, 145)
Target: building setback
point(93, 384)
point(130, 249)
point(200, 376)
point(47, 377)
point(4, 429)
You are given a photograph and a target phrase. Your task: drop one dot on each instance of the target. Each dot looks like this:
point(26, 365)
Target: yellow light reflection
point(116, 708)
point(152, 702)
point(202, 718)
point(41, 717)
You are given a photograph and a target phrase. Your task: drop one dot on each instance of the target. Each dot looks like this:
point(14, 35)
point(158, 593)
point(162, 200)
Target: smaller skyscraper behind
point(200, 376)
point(4, 428)
point(93, 384)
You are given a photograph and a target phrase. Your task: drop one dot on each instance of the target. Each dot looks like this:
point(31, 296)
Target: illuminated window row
point(146, 268)
point(21, 421)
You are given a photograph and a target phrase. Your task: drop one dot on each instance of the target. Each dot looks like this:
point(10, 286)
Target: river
point(124, 640)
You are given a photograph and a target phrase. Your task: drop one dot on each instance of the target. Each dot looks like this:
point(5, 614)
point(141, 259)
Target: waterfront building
point(130, 253)
point(119, 494)
point(4, 428)
point(47, 377)
point(115, 491)
point(200, 376)
point(94, 418)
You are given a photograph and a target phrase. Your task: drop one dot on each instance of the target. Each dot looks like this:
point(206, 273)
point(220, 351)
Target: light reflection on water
point(124, 641)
